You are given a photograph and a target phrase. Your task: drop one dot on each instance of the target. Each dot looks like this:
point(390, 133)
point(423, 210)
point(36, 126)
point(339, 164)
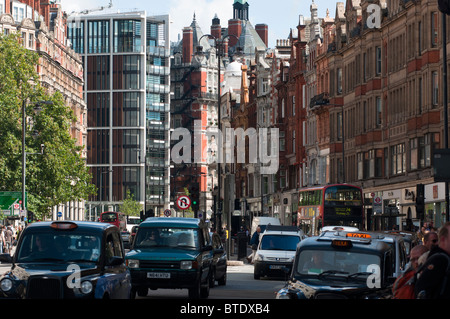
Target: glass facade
point(157, 115)
point(98, 36)
point(127, 36)
point(127, 91)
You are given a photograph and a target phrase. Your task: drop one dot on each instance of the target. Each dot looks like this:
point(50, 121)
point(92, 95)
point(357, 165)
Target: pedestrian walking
point(433, 281)
point(430, 240)
point(254, 242)
point(8, 239)
point(2, 239)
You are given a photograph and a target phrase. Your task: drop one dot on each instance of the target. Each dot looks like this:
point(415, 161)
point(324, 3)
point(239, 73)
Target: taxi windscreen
point(59, 247)
point(316, 262)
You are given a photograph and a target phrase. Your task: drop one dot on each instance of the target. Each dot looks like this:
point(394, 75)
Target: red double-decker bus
point(116, 218)
point(330, 205)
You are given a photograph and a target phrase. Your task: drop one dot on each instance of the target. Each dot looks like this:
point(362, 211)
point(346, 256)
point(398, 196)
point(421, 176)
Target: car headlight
point(282, 296)
point(86, 287)
point(259, 257)
point(132, 263)
point(6, 284)
point(186, 265)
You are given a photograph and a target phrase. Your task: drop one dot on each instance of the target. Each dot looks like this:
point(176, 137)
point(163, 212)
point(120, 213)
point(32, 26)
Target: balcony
point(318, 101)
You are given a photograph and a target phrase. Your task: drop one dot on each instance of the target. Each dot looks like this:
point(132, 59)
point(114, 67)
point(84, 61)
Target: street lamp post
point(37, 109)
point(324, 100)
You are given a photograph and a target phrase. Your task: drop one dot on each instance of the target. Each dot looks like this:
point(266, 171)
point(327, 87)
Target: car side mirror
point(115, 261)
point(6, 259)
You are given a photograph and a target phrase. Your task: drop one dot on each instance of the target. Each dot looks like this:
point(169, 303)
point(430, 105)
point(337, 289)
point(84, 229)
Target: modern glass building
point(126, 60)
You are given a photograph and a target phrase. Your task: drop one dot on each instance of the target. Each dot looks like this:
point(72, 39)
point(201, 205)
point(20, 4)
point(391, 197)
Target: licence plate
point(158, 275)
point(275, 267)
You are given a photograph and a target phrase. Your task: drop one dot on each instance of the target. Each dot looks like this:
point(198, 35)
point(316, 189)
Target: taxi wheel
point(223, 281)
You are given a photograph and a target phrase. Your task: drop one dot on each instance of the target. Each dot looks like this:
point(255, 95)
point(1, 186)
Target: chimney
point(234, 28)
point(216, 28)
point(263, 32)
point(188, 44)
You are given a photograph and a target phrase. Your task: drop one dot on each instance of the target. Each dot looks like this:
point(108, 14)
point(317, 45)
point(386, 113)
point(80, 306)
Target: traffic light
point(30, 216)
point(194, 191)
point(420, 201)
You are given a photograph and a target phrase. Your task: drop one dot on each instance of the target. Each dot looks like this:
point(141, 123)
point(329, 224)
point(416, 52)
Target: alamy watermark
point(220, 147)
point(374, 279)
point(374, 18)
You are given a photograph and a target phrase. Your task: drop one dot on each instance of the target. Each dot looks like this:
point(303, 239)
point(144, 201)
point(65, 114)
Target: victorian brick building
point(43, 28)
point(384, 116)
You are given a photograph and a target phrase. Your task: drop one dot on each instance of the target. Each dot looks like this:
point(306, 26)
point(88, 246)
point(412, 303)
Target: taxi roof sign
point(359, 235)
point(341, 243)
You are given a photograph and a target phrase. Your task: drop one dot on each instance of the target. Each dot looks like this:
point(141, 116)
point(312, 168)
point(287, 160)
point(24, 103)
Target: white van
point(276, 250)
point(132, 221)
point(263, 222)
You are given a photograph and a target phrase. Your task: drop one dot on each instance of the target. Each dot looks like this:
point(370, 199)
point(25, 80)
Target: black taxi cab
point(67, 260)
point(340, 265)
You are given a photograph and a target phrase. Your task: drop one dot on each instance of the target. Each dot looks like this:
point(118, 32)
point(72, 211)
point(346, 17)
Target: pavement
point(234, 261)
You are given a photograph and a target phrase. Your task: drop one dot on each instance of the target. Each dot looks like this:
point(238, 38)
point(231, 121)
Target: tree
point(130, 207)
point(58, 175)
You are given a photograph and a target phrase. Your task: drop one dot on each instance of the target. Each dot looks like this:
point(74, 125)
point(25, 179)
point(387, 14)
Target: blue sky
point(279, 15)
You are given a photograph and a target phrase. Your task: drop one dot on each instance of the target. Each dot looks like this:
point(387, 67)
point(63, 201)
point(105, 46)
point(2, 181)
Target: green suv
point(171, 253)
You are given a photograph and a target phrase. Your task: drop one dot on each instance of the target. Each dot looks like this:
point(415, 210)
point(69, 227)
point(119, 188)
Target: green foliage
point(130, 207)
point(60, 174)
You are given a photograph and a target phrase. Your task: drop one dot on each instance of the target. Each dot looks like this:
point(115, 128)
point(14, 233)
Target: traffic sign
point(167, 213)
point(183, 202)
point(377, 205)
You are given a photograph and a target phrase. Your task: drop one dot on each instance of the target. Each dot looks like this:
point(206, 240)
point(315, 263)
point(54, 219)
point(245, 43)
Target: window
point(414, 153)
point(378, 112)
point(282, 141)
point(365, 67)
point(293, 105)
point(419, 40)
point(434, 29)
point(339, 81)
point(127, 72)
point(16, 14)
point(282, 108)
point(75, 34)
point(98, 36)
point(398, 159)
point(127, 36)
point(435, 88)
point(360, 159)
point(420, 96)
point(293, 142)
point(426, 146)
point(282, 178)
point(378, 60)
